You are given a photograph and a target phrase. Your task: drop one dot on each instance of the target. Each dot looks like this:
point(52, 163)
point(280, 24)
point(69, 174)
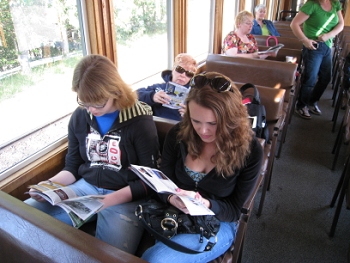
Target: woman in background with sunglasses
point(184, 68)
point(109, 130)
point(211, 154)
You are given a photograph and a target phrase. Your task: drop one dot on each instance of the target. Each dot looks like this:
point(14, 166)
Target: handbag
point(271, 37)
point(164, 221)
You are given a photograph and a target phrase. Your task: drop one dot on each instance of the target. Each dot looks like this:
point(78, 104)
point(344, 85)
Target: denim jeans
point(316, 75)
point(160, 252)
point(116, 225)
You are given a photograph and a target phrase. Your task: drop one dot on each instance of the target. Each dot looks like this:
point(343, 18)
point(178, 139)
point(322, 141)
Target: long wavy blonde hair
point(233, 134)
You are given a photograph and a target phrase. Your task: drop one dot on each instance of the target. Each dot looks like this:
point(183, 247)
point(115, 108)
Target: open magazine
point(80, 209)
point(272, 51)
point(177, 94)
point(160, 183)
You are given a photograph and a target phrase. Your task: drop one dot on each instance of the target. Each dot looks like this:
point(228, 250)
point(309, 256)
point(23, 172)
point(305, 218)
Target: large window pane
point(228, 22)
point(198, 30)
point(41, 45)
point(141, 38)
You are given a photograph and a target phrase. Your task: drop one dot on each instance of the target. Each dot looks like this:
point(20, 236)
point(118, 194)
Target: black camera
point(315, 45)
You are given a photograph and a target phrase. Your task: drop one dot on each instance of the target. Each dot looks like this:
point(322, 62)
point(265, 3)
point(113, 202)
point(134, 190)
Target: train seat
point(29, 235)
point(262, 72)
point(288, 42)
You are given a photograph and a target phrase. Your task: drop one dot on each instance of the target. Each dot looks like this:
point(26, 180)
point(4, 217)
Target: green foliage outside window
point(8, 52)
point(139, 17)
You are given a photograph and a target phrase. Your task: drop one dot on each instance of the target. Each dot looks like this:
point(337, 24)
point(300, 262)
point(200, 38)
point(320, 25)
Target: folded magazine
point(177, 94)
point(160, 183)
point(272, 51)
point(79, 208)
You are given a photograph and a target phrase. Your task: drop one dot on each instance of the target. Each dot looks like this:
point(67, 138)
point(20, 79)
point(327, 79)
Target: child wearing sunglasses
point(185, 66)
point(213, 155)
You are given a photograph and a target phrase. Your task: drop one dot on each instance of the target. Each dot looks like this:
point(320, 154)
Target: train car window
point(43, 45)
point(228, 21)
point(141, 30)
point(199, 28)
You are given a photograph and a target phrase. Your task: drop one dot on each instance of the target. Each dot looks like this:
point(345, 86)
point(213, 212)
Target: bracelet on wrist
point(168, 199)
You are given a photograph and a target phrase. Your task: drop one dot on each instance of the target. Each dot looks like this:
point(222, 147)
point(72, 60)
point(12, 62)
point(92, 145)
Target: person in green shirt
point(321, 21)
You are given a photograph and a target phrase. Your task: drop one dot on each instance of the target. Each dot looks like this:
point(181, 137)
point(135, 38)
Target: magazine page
point(156, 179)
point(177, 94)
point(53, 192)
point(272, 50)
point(195, 208)
point(84, 206)
point(160, 183)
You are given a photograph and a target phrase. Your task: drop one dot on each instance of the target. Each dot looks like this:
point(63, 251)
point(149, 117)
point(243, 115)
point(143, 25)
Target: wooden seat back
point(274, 74)
point(29, 235)
point(283, 52)
point(288, 42)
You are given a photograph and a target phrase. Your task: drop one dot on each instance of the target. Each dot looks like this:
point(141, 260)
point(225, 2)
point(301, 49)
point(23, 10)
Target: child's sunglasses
point(181, 70)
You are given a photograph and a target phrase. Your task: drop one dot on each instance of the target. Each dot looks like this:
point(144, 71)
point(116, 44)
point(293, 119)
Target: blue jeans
point(317, 67)
point(116, 225)
point(160, 252)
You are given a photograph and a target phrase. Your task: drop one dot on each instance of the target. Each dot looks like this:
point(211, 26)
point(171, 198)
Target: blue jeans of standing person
point(161, 253)
point(316, 75)
point(116, 225)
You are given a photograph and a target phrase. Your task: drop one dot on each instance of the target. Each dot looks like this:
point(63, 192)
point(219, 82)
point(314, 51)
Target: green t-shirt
point(265, 31)
point(320, 21)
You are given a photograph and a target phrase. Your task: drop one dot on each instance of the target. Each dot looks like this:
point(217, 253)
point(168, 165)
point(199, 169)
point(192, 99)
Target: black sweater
point(104, 161)
point(226, 195)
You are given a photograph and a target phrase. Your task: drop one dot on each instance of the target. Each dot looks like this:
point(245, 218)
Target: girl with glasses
point(110, 130)
point(211, 154)
point(185, 66)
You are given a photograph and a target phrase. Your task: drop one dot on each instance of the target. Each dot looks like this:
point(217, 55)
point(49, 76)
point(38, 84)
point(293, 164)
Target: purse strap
point(169, 242)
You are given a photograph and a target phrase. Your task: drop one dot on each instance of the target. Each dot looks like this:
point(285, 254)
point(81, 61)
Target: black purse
point(164, 221)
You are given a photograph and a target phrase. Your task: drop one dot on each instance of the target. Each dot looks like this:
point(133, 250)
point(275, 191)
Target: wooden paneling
point(219, 9)
point(346, 11)
point(40, 170)
point(101, 26)
point(180, 26)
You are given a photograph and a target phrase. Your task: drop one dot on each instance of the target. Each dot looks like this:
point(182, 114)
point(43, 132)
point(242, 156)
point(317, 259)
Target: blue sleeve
point(271, 27)
point(256, 30)
point(146, 94)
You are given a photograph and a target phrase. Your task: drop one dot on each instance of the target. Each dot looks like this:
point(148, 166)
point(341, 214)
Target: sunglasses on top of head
point(181, 70)
point(220, 84)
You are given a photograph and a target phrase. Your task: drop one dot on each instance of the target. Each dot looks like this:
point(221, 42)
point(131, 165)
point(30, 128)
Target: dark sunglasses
point(181, 70)
point(220, 84)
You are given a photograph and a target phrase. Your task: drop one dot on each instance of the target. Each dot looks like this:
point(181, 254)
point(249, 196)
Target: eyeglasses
point(181, 70)
point(88, 105)
point(220, 84)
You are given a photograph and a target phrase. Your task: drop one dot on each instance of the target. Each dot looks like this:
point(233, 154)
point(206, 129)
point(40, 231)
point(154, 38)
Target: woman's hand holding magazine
point(187, 201)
